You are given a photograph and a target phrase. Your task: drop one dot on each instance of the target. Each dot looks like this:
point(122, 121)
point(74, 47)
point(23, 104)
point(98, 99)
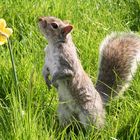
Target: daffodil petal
point(3, 39)
point(8, 31)
point(4, 32)
point(2, 23)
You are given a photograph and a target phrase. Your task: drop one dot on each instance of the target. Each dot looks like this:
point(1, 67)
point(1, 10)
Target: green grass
point(31, 114)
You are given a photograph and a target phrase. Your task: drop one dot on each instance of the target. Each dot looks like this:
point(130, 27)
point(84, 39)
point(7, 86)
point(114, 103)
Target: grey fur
point(78, 97)
point(119, 57)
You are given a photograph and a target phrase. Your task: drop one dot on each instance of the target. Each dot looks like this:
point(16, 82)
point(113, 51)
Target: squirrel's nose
point(41, 19)
point(42, 22)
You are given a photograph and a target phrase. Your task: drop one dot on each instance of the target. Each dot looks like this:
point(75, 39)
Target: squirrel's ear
point(67, 29)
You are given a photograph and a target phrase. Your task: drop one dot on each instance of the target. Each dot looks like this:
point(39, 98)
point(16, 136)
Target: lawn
point(29, 113)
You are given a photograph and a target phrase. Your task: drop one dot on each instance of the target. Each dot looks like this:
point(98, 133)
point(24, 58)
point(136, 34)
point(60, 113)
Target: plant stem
point(13, 64)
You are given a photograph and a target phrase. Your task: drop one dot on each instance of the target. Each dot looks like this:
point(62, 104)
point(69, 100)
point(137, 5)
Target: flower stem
point(13, 64)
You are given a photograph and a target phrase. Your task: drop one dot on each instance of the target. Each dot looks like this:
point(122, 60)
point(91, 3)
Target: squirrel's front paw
point(61, 75)
point(48, 83)
point(55, 77)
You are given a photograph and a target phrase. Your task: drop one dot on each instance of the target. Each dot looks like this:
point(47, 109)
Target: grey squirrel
point(78, 98)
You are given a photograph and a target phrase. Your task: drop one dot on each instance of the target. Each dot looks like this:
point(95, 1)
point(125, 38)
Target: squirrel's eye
point(54, 25)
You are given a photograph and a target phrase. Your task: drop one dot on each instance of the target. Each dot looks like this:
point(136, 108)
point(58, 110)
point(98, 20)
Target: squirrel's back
point(119, 56)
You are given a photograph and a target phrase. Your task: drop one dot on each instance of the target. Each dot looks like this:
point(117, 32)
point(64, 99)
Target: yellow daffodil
point(4, 35)
point(4, 32)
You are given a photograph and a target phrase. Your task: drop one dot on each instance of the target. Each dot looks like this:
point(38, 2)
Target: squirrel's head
point(54, 29)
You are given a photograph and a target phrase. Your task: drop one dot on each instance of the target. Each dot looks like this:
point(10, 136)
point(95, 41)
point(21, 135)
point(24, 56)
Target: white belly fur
point(67, 105)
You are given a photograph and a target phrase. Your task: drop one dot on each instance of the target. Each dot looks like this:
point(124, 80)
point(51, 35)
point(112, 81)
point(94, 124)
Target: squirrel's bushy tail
point(119, 58)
